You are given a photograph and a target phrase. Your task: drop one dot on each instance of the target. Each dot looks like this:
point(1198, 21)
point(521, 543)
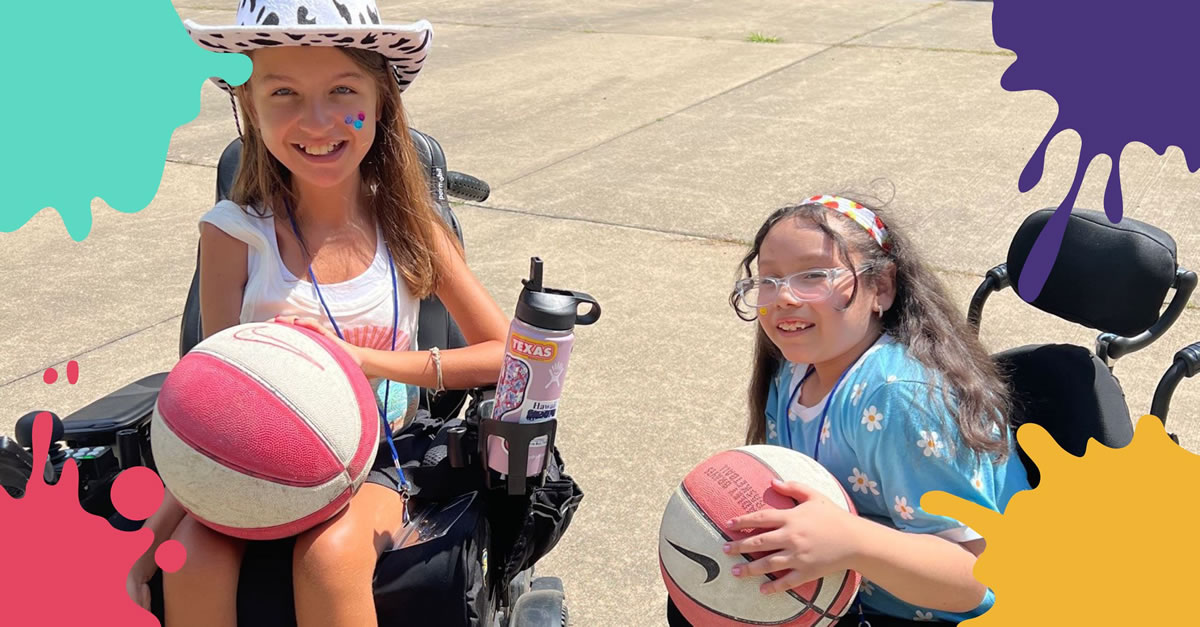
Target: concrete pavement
point(633, 145)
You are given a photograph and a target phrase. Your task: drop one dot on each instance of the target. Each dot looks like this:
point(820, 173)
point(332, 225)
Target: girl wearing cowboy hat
point(329, 226)
point(862, 362)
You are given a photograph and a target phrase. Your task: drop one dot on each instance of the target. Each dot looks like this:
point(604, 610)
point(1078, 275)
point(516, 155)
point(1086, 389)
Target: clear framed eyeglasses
point(807, 286)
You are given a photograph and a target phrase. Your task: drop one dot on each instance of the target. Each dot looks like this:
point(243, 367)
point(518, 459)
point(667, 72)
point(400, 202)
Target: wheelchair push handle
point(467, 187)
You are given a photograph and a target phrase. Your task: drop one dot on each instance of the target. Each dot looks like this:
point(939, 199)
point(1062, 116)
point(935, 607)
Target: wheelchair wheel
point(545, 605)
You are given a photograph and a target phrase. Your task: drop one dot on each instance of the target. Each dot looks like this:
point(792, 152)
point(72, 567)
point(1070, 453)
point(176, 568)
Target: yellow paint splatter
point(1105, 539)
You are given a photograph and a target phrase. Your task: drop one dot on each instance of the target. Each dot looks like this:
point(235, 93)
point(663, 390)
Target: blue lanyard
point(824, 410)
point(387, 430)
point(862, 620)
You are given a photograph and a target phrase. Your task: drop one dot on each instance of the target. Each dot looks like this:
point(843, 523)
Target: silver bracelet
point(437, 361)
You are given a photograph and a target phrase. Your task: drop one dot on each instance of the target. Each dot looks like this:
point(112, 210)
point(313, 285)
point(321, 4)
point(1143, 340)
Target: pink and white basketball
point(265, 430)
point(697, 572)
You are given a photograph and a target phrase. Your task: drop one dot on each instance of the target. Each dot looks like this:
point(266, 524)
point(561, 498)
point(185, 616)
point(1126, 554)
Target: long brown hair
point(923, 318)
point(392, 174)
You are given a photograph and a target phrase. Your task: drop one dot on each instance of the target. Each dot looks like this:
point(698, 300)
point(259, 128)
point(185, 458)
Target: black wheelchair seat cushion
point(1069, 392)
point(1110, 277)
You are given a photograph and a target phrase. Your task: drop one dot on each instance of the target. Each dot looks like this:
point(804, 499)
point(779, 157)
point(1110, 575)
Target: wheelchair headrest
point(1109, 277)
point(428, 150)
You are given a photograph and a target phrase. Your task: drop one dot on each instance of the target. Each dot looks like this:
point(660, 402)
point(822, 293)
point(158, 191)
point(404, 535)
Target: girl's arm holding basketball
point(817, 538)
point(479, 318)
point(223, 277)
point(922, 558)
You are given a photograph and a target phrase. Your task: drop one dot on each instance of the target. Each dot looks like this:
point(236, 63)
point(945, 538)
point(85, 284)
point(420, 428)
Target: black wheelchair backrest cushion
point(1070, 393)
point(1110, 277)
point(428, 150)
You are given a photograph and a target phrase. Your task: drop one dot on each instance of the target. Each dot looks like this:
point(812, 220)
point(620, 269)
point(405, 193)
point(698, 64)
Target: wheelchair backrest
point(428, 149)
point(1110, 277)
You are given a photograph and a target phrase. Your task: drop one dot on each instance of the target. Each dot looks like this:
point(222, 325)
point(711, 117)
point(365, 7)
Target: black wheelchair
point(1113, 278)
point(467, 555)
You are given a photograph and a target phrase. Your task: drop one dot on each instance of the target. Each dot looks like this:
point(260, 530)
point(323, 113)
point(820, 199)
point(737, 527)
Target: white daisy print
point(862, 483)
point(825, 433)
point(866, 587)
point(872, 418)
point(924, 615)
point(856, 392)
point(930, 444)
point(977, 481)
point(903, 508)
point(771, 432)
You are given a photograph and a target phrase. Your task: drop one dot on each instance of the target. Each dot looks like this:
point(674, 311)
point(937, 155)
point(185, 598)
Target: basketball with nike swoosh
point(265, 430)
point(696, 570)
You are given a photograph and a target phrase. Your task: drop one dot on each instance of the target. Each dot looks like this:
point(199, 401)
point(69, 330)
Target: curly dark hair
point(923, 318)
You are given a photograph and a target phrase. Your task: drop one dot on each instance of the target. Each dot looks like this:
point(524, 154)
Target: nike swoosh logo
point(710, 565)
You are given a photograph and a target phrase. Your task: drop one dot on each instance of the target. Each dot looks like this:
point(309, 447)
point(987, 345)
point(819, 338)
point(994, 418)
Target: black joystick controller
point(57, 454)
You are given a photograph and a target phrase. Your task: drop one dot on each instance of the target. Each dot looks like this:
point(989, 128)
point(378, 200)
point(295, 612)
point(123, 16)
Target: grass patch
point(759, 38)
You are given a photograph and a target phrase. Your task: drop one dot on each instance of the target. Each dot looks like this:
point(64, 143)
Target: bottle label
point(533, 349)
point(514, 381)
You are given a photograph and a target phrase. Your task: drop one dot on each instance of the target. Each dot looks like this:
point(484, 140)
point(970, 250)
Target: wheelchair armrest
point(1190, 358)
point(130, 407)
point(995, 280)
point(1185, 365)
point(1110, 347)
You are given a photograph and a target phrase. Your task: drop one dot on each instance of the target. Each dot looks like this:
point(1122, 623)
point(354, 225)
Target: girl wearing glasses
point(862, 362)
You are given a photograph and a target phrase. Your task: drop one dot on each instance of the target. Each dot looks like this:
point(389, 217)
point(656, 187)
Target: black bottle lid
point(554, 310)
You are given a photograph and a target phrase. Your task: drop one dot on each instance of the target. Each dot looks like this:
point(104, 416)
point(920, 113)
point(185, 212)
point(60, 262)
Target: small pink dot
point(137, 493)
point(170, 556)
point(72, 371)
point(362, 116)
point(50, 375)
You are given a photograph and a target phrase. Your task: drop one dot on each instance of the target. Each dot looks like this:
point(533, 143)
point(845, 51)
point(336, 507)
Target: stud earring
point(762, 311)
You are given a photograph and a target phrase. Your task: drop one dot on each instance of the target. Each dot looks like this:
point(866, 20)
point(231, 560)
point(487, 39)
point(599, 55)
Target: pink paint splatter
point(137, 493)
point(170, 556)
point(57, 549)
point(51, 375)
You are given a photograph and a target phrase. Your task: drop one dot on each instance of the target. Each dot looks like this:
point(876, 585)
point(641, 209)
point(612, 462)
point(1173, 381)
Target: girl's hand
point(137, 584)
point(313, 325)
point(813, 539)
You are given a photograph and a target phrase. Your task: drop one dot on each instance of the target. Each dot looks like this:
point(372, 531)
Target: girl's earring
point(879, 308)
point(762, 311)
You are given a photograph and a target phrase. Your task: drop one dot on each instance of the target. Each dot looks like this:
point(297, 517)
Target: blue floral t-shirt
point(890, 441)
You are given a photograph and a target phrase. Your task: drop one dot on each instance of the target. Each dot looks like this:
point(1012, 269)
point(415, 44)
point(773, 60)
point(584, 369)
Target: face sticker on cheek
point(356, 120)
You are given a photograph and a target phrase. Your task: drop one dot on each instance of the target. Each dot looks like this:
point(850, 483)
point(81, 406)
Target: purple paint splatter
point(1120, 72)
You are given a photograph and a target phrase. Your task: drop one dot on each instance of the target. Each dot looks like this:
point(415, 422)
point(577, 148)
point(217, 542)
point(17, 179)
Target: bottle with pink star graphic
point(535, 363)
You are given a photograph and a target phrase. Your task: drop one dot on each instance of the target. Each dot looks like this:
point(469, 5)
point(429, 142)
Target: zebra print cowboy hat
point(335, 23)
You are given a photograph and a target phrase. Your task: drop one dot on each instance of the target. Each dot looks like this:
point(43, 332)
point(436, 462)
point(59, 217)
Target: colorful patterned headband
point(860, 214)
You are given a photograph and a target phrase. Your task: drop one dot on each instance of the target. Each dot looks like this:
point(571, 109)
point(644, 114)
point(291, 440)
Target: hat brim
point(404, 46)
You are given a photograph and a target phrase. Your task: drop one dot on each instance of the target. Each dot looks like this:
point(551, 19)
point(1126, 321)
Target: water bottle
point(535, 362)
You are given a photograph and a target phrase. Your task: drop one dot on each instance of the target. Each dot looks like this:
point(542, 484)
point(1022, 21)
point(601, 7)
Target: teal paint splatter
point(94, 92)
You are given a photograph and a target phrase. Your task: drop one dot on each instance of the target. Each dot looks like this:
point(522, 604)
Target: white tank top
point(362, 305)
